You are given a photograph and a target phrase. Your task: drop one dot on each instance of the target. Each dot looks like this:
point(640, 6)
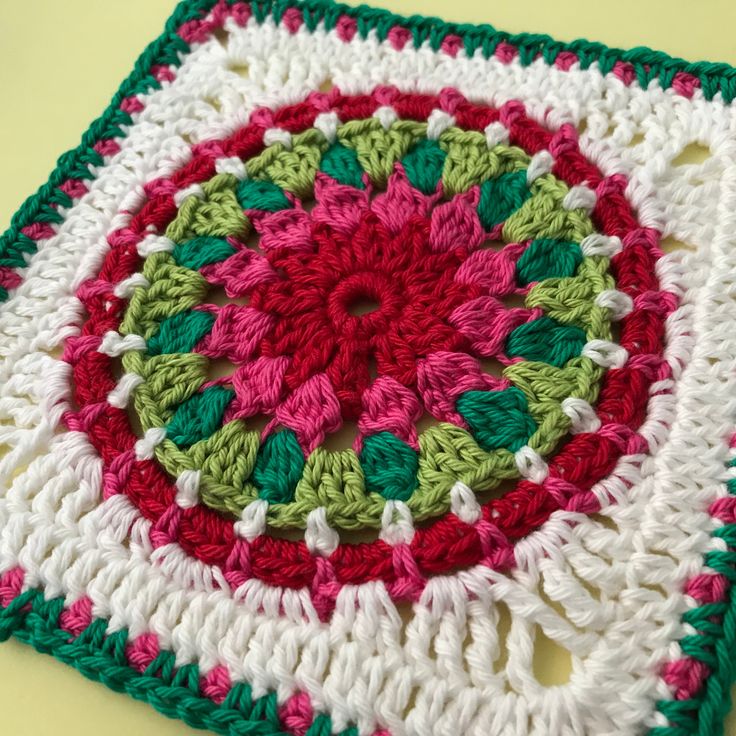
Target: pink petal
point(400, 202)
point(236, 333)
point(240, 273)
point(491, 270)
point(258, 387)
point(486, 323)
point(455, 224)
point(290, 229)
point(311, 411)
point(390, 407)
point(338, 205)
point(442, 377)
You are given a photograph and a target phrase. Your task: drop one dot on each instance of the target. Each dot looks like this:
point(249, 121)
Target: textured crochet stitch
point(344, 363)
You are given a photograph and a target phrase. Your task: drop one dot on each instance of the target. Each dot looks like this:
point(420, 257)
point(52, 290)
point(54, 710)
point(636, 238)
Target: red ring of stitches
point(446, 544)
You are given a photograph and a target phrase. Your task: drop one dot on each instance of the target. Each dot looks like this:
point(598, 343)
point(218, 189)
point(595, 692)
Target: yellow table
point(59, 64)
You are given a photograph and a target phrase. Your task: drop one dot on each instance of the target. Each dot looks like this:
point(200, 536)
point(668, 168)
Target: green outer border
point(648, 65)
point(169, 48)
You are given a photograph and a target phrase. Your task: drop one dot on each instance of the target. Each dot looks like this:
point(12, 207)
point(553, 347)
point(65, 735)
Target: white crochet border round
point(364, 664)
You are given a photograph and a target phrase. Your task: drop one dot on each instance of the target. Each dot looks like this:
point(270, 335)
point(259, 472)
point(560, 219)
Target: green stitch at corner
point(390, 466)
point(500, 197)
point(471, 162)
point(546, 340)
point(218, 215)
point(180, 333)
point(202, 251)
point(200, 416)
point(227, 459)
point(341, 163)
point(424, 164)
point(547, 258)
point(172, 289)
point(542, 215)
point(261, 195)
point(498, 419)
point(291, 169)
point(172, 379)
point(378, 150)
point(279, 467)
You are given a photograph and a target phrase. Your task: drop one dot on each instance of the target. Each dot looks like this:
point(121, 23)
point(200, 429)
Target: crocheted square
point(345, 367)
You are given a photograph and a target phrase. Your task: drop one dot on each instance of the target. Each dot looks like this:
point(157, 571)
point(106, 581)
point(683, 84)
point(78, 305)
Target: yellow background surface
point(60, 63)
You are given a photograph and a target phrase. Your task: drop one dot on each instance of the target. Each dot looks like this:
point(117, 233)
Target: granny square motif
point(355, 366)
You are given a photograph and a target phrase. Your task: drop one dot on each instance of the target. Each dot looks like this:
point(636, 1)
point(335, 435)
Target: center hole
point(362, 305)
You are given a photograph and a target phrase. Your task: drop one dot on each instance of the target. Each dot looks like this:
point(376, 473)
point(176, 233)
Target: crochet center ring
point(380, 256)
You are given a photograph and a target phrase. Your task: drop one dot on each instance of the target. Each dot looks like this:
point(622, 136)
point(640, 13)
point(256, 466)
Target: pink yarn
point(216, 684)
point(297, 714)
point(292, 19)
point(565, 60)
point(11, 584)
point(142, 651)
point(398, 37)
point(346, 28)
point(77, 617)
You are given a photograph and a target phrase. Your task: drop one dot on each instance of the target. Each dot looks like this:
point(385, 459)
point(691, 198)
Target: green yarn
point(174, 691)
point(498, 419)
point(542, 215)
point(341, 163)
point(169, 49)
point(279, 467)
point(546, 258)
point(291, 169)
point(180, 333)
point(545, 340)
point(200, 416)
point(173, 289)
point(377, 149)
point(500, 197)
point(202, 251)
point(470, 161)
point(390, 466)
point(171, 378)
point(261, 195)
point(423, 165)
point(218, 215)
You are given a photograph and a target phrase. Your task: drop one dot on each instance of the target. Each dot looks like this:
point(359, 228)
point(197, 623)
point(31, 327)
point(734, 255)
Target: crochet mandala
point(346, 370)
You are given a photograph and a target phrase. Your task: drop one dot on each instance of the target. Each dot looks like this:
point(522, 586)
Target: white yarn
point(612, 591)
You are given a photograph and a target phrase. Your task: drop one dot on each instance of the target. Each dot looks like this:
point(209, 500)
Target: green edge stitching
point(169, 49)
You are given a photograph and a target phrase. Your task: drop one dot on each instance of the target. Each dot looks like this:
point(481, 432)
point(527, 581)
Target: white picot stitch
point(604, 578)
point(187, 489)
point(145, 447)
point(497, 134)
point(277, 135)
point(327, 123)
point(601, 245)
point(397, 524)
point(114, 344)
point(531, 465)
point(386, 116)
point(605, 354)
point(582, 415)
point(231, 165)
point(320, 537)
point(154, 243)
point(580, 197)
point(618, 303)
point(464, 503)
point(120, 396)
point(193, 190)
point(252, 522)
point(126, 288)
point(437, 123)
